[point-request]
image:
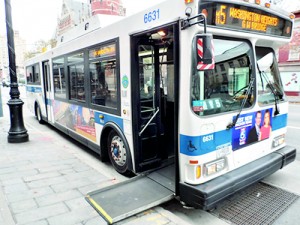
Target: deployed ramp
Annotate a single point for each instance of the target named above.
(125, 199)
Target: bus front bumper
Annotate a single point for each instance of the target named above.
(206, 196)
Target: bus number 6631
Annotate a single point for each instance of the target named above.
(208, 138)
(151, 16)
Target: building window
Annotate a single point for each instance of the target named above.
(294, 54)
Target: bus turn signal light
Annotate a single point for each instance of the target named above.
(198, 172)
(292, 16)
(193, 162)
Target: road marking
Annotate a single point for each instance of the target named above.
(298, 128)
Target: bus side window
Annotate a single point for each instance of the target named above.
(59, 78)
(104, 83)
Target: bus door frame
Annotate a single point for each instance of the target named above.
(135, 96)
(47, 90)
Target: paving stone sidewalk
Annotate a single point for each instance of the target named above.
(44, 181)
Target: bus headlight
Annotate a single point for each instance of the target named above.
(214, 166)
(279, 140)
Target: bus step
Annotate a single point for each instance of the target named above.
(149, 137)
(150, 162)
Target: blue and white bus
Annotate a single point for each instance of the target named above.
(186, 94)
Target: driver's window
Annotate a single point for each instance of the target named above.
(223, 88)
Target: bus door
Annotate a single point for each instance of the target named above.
(47, 90)
(153, 97)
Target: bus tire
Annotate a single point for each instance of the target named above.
(39, 114)
(118, 153)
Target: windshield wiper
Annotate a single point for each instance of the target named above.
(271, 86)
(250, 87)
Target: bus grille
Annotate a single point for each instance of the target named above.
(258, 204)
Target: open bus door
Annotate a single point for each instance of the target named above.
(154, 74)
(154, 79)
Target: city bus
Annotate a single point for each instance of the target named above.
(188, 99)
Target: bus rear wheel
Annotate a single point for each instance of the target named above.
(118, 153)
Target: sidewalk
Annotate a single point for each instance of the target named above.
(44, 181)
(293, 99)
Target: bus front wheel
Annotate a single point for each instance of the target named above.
(39, 114)
(118, 153)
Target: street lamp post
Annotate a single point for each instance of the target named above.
(17, 132)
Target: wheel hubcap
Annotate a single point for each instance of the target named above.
(118, 151)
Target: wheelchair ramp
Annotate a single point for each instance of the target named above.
(128, 198)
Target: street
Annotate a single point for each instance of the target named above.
(288, 178)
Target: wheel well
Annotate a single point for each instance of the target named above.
(103, 145)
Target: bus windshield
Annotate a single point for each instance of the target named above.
(223, 88)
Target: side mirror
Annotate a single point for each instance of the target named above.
(265, 62)
(205, 51)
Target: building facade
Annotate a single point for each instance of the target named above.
(72, 14)
(289, 61)
(20, 50)
(108, 7)
(75, 12)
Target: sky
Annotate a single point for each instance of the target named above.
(37, 19)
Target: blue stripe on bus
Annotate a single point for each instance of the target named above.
(34, 89)
(108, 118)
(279, 121)
(203, 144)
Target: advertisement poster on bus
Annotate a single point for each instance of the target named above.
(251, 128)
(77, 118)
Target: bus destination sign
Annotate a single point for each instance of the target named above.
(245, 18)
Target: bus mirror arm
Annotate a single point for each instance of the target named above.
(185, 23)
